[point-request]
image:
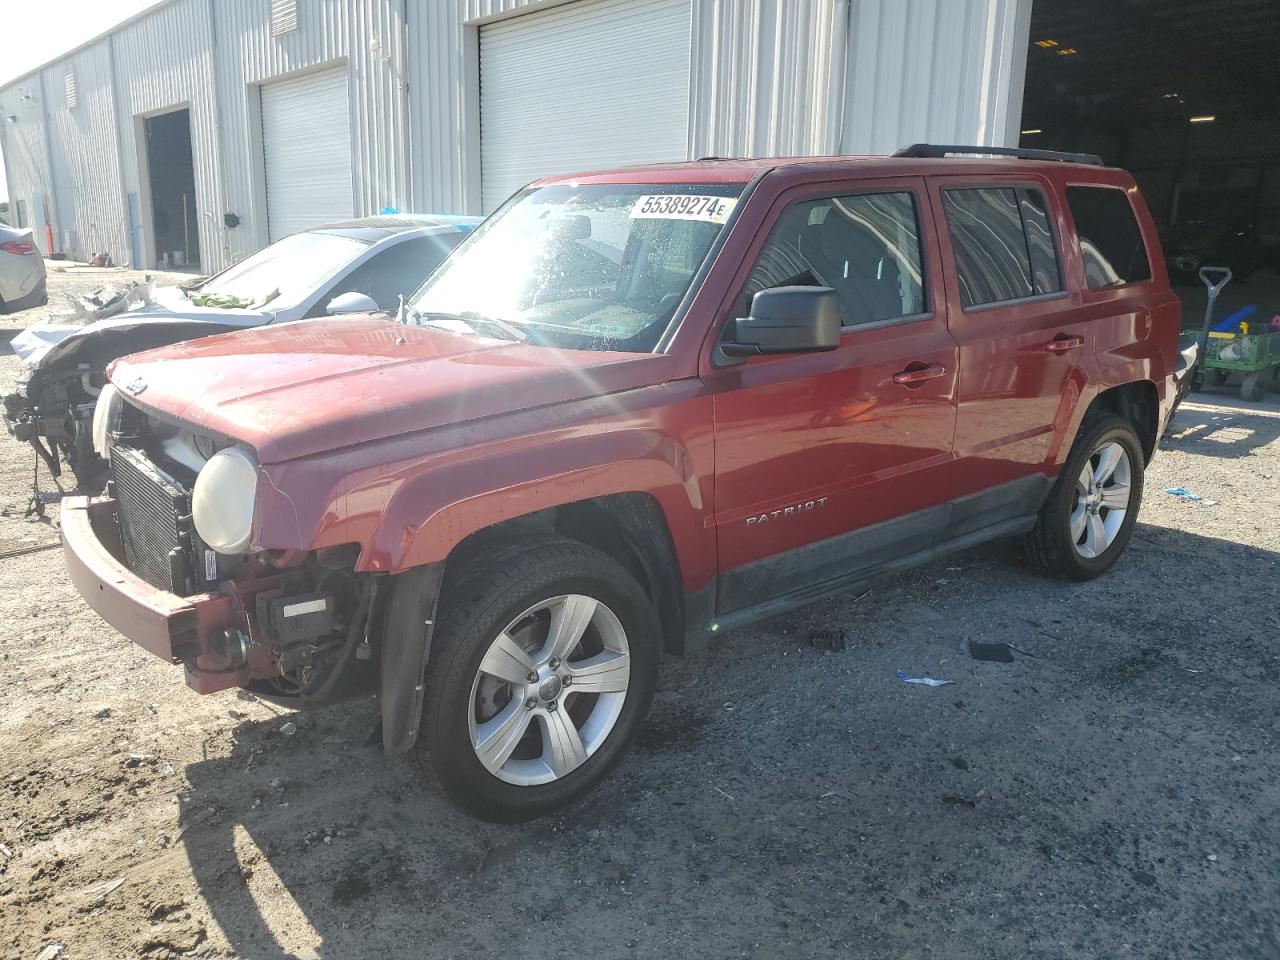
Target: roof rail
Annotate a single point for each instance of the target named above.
(938, 150)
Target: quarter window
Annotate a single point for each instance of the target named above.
(1110, 241)
(866, 247)
(1003, 244)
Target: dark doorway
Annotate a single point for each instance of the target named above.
(1184, 95)
(176, 227)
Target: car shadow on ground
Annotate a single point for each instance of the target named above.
(726, 826)
(1222, 425)
(7, 334)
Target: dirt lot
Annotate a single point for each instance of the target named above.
(1116, 796)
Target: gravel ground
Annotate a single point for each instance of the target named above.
(1114, 796)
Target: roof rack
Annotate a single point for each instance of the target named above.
(938, 150)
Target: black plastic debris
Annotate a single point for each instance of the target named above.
(995, 652)
(834, 640)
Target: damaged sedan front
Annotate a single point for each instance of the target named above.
(362, 266)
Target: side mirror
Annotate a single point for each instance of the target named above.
(351, 302)
(787, 320)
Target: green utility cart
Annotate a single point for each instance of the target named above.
(1253, 351)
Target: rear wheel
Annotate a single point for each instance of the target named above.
(1254, 386)
(543, 666)
(1087, 521)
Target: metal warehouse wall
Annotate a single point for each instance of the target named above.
(164, 61)
(767, 77)
(89, 206)
(365, 36)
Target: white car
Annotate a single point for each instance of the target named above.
(22, 277)
(361, 266)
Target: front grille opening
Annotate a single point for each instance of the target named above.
(160, 544)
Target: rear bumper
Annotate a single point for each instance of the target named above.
(37, 296)
(186, 630)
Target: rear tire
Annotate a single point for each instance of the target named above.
(510, 605)
(1254, 387)
(1088, 518)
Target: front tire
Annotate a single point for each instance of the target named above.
(1089, 516)
(543, 665)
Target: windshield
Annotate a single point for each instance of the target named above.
(593, 267)
(283, 274)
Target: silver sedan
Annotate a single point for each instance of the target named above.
(22, 277)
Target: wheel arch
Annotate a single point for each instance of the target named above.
(1137, 402)
(630, 527)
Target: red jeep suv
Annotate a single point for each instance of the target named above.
(632, 409)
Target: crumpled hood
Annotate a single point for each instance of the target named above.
(295, 389)
(43, 343)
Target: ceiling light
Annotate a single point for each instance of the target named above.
(1027, 133)
(1067, 52)
(1046, 43)
(1206, 118)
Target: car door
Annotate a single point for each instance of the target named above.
(1024, 336)
(828, 464)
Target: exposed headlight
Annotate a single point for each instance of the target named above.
(105, 412)
(222, 501)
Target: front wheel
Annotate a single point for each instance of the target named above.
(544, 662)
(1087, 521)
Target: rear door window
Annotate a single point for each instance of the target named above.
(1110, 241)
(866, 247)
(1003, 244)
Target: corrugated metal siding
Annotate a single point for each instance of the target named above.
(770, 77)
(90, 202)
(444, 130)
(164, 62)
(369, 36)
(945, 71)
(595, 84)
(767, 77)
(26, 160)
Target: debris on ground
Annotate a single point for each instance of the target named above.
(1184, 494)
(995, 652)
(289, 729)
(926, 681)
(100, 891)
(50, 952)
(834, 640)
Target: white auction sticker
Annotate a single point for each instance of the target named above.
(683, 206)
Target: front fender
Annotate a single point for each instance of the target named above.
(430, 513)
(408, 501)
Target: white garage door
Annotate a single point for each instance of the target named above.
(596, 83)
(306, 137)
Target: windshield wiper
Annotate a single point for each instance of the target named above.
(477, 322)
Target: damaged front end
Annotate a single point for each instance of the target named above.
(66, 360)
(293, 626)
(52, 411)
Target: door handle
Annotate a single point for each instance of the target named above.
(1063, 343)
(919, 374)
